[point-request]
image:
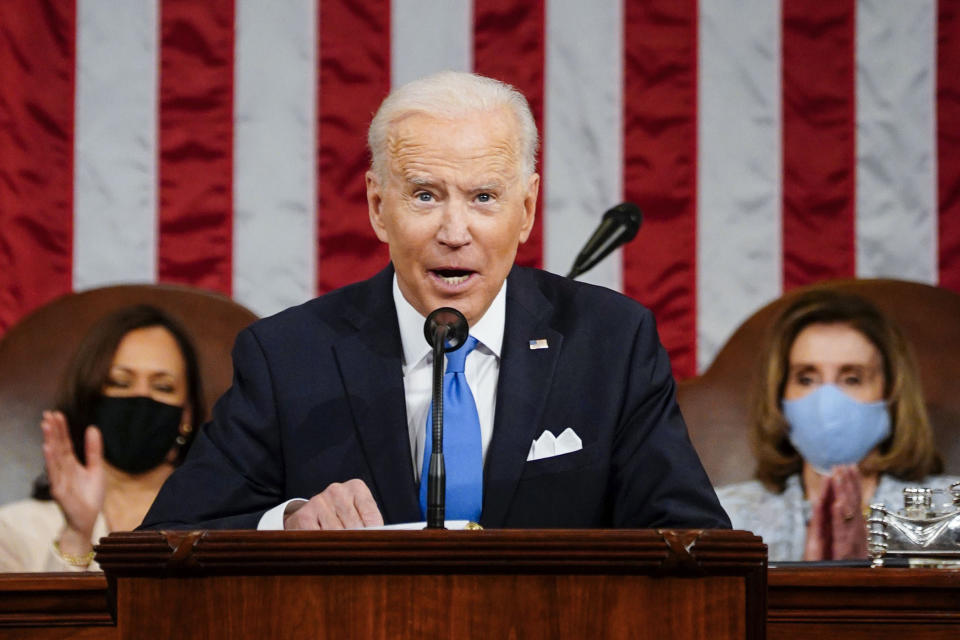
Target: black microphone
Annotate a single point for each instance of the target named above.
(618, 227)
(445, 330)
(453, 325)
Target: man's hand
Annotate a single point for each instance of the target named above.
(837, 530)
(348, 505)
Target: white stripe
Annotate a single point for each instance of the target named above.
(739, 191)
(275, 144)
(896, 223)
(583, 137)
(115, 143)
(428, 36)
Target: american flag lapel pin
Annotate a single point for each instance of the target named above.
(539, 343)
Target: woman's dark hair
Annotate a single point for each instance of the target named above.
(87, 373)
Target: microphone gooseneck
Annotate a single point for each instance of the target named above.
(618, 227)
(445, 330)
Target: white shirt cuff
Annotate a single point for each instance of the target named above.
(272, 520)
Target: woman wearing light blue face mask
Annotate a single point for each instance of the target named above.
(839, 423)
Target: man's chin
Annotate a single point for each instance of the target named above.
(463, 304)
(458, 303)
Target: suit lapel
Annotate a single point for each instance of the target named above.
(526, 376)
(370, 366)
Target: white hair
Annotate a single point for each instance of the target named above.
(452, 94)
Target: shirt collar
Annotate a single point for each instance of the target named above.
(488, 331)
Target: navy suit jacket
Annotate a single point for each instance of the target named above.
(318, 397)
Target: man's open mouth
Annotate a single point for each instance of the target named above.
(453, 276)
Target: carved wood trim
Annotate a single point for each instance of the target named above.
(863, 596)
(487, 551)
(53, 600)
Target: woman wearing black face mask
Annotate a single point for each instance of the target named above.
(127, 412)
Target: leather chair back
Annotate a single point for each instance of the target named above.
(35, 352)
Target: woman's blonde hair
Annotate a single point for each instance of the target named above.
(907, 454)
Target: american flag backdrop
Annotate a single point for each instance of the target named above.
(220, 143)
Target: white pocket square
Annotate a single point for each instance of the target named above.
(548, 445)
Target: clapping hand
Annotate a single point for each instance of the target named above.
(837, 530)
(78, 489)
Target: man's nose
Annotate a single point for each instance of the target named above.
(454, 228)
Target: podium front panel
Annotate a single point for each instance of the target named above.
(438, 584)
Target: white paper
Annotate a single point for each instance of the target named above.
(454, 525)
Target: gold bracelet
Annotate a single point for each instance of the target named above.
(82, 560)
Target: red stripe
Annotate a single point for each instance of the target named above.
(508, 46)
(819, 112)
(37, 61)
(196, 143)
(948, 142)
(660, 170)
(354, 79)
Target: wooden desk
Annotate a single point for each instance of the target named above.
(826, 603)
(821, 604)
(36, 606)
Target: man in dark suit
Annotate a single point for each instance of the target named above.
(574, 397)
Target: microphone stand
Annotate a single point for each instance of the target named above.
(445, 330)
(437, 475)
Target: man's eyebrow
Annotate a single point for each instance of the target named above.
(421, 181)
(489, 186)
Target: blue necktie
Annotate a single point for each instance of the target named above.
(462, 453)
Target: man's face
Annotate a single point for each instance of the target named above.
(453, 206)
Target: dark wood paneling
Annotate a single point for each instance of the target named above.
(435, 606)
(535, 600)
(412, 584)
(861, 603)
(54, 605)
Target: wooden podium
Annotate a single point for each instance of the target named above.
(437, 584)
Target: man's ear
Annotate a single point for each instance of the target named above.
(530, 206)
(375, 205)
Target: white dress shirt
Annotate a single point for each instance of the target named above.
(482, 370)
